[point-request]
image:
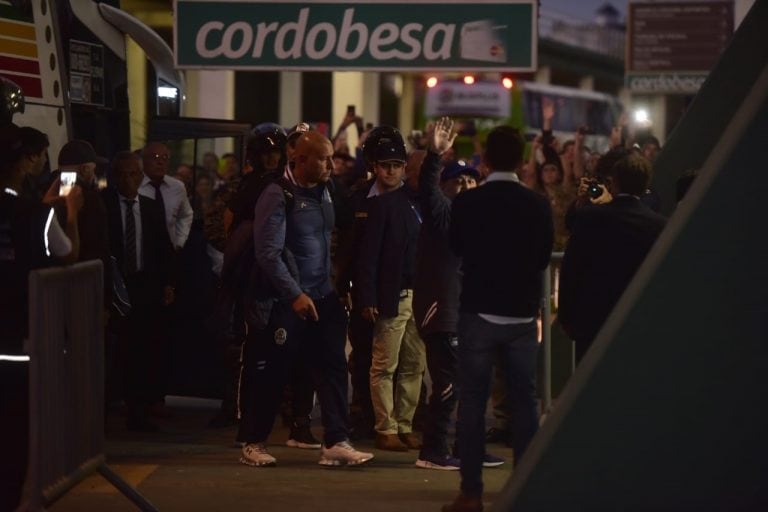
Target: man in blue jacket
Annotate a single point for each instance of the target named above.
(292, 233)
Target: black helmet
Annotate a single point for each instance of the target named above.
(383, 135)
(266, 137)
(11, 100)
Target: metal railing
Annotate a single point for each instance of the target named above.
(66, 377)
(546, 332)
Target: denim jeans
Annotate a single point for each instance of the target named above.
(479, 343)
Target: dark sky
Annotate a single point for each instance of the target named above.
(582, 9)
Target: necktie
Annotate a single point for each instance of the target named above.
(159, 198)
(130, 263)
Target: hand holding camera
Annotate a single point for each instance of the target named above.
(594, 190)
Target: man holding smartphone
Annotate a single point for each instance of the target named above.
(78, 158)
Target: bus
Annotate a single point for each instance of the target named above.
(482, 104)
(69, 59)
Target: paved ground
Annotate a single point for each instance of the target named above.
(188, 467)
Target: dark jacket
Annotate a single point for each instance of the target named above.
(607, 245)
(158, 257)
(503, 231)
(350, 237)
(437, 283)
(93, 232)
(22, 249)
(388, 251)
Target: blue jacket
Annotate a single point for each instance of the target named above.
(305, 231)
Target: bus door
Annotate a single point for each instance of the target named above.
(197, 365)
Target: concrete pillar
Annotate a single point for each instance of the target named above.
(137, 93)
(587, 83)
(347, 90)
(407, 99)
(543, 75)
(290, 98)
(211, 94)
(371, 98)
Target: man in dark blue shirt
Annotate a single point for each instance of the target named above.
(307, 320)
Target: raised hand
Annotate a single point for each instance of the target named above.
(442, 136)
(547, 109)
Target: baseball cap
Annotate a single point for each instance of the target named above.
(388, 150)
(456, 169)
(76, 152)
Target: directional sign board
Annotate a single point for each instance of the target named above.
(364, 35)
(672, 46)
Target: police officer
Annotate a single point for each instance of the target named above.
(30, 236)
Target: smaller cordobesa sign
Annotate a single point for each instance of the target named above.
(365, 35)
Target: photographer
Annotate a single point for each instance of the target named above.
(609, 240)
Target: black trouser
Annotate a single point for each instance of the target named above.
(270, 355)
(442, 362)
(141, 345)
(14, 443)
(361, 338)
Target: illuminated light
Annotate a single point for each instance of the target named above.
(469, 80)
(45, 233)
(641, 116)
(167, 92)
(431, 81)
(13, 358)
(507, 82)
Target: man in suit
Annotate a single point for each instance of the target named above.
(140, 243)
(386, 272)
(503, 233)
(608, 243)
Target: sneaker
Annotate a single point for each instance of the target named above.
(441, 462)
(492, 461)
(255, 454)
(343, 454)
(301, 437)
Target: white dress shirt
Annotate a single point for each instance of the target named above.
(136, 212)
(178, 211)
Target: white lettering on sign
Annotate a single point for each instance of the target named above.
(293, 41)
(666, 82)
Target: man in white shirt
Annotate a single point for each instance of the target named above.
(169, 192)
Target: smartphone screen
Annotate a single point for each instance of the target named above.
(68, 180)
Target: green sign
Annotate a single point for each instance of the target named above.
(365, 35)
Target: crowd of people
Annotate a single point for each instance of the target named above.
(420, 260)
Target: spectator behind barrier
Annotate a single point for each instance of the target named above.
(608, 243)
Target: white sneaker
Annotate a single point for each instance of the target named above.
(255, 454)
(343, 454)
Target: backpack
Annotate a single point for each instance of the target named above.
(242, 280)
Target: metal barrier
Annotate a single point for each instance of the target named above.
(546, 332)
(66, 374)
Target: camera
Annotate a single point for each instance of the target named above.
(594, 188)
